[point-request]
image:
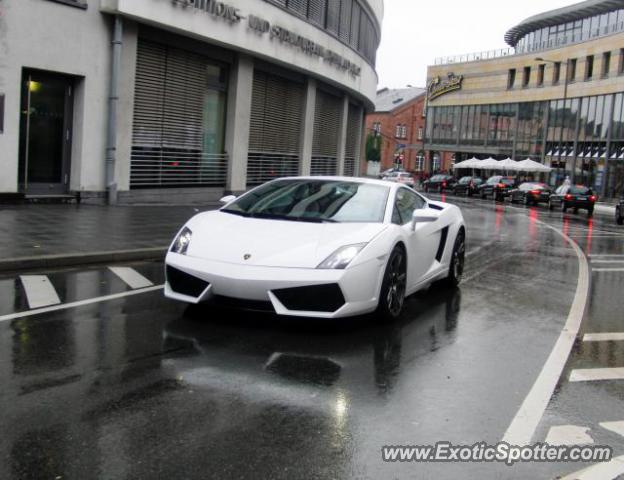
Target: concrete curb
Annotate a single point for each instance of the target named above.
(72, 259)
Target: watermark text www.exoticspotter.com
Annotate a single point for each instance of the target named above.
(501, 452)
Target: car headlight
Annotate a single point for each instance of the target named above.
(182, 241)
(341, 258)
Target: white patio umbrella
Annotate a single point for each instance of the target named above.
(529, 165)
(489, 164)
(509, 165)
(464, 164)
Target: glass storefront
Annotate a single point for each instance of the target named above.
(582, 138)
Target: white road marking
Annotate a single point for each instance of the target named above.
(131, 277)
(617, 427)
(606, 255)
(604, 337)
(595, 374)
(39, 291)
(524, 424)
(65, 306)
(568, 435)
(601, 471)
(607, 269)
(610, 262)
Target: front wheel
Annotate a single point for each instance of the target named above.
(393, 286)
(458, 258)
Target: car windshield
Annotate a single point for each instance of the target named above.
(465, 180)
(580, 190)
(507, 181)
(492, 180)
(317, 201)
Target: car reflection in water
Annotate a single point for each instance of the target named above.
(263, 357)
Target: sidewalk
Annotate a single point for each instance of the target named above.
(42, 236)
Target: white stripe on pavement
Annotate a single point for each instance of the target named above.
(607, 255)
(608, 261)
(131, 277)
(524, 424)
(607, 269)
(601, 471)
(616, 427)
(80, 303)
(568, 435)
(39, 291)
(596, 374)
(604, 337)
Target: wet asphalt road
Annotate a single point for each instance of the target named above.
(142, 387)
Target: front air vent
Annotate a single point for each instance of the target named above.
(315, 298)
(185, 284)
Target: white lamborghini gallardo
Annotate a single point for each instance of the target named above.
(318, 247)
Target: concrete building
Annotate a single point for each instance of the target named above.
(555, 96)
(178, 100)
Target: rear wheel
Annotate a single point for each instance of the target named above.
(458, 258)
(393, 286)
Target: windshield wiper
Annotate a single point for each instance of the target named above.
(289, 218)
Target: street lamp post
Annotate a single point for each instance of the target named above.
(565, 98)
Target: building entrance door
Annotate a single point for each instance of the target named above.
(45, 133)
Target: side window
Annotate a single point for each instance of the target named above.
(405, 204)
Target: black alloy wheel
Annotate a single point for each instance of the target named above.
(393, 286)
(458, 260)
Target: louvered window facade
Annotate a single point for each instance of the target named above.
(354, 132)
(275, 128)
(327, 121)
(344, 19)
(179, 119)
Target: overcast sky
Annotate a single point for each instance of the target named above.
(415, 32)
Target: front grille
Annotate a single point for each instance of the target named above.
(255, 305)
(315, 298)
(185, 284)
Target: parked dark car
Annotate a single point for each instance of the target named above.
(531, 193)
(573, 196)
(619, 211)
(497, 186)
(439, 183)
(467, 186)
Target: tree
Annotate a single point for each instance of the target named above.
(373, 148)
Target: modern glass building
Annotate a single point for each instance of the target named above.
(557, 96)
(177, 100)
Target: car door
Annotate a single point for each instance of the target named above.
(423, 242)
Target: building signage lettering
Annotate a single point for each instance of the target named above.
(262, 27)
(437, 87)
(214, 8)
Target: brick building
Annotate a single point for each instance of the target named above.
(399, 122)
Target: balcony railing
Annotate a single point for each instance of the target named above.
(556, 42)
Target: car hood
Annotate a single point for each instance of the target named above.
(274, 243)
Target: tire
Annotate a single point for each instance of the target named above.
(458, 258)
(563, 207)
(590, 212)
(527, 202)
(619, 219)
(393, 286)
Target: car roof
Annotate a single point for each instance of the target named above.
(371, 181)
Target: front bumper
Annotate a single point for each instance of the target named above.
(338, 293)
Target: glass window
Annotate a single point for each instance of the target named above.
(571, 69)
(606, 63)
(314, 201)
(540, 74)
(526, 76)
(556, 72)
(589, 67)
(406, 202)
(511, 79)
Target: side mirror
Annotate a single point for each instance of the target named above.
(427, 215)
(227, 199)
